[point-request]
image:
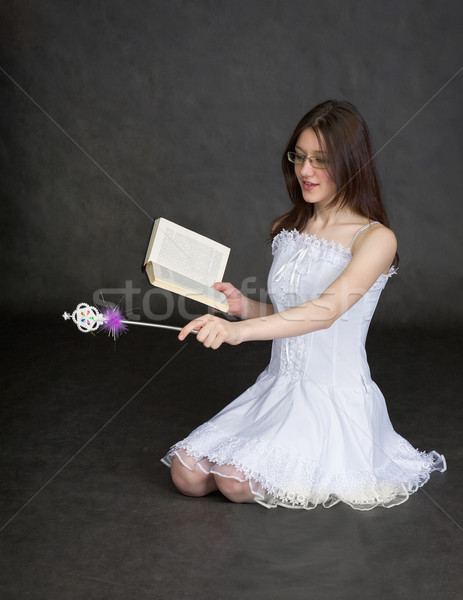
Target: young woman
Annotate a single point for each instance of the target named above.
(314, 428)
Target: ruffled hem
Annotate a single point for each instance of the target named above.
(308, 485)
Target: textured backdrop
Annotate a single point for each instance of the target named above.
(115, 113)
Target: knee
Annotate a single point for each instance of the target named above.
(234, 490)
(190, 483)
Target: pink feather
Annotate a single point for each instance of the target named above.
(113, 322)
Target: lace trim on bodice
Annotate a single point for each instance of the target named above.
(327, 250)
(320, 249)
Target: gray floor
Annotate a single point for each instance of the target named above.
(90, 512)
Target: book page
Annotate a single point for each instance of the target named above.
(190, 286)
(188, 253)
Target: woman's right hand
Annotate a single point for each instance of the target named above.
(237, 302)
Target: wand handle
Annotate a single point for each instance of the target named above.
(155, 325)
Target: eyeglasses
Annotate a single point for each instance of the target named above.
(316, 161)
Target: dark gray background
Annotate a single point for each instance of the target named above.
(181, 109)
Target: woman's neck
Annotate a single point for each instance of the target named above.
(327, 217)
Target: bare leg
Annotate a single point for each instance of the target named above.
(191, 483)
(236, 491)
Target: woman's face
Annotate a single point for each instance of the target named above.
(316, 184)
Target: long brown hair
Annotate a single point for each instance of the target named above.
(344, 136)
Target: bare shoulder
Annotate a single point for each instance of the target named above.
(375, 248)
(377, 236)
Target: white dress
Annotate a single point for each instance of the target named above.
(314, 428)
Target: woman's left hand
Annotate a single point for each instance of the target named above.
(213, 331)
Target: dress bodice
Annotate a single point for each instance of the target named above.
(303, 267)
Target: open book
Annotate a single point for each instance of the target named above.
(187, 263)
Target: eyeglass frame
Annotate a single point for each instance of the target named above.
(309, 158)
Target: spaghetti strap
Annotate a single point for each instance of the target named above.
(360, 231)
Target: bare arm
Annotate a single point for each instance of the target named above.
(239, 305)
(374, 252)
